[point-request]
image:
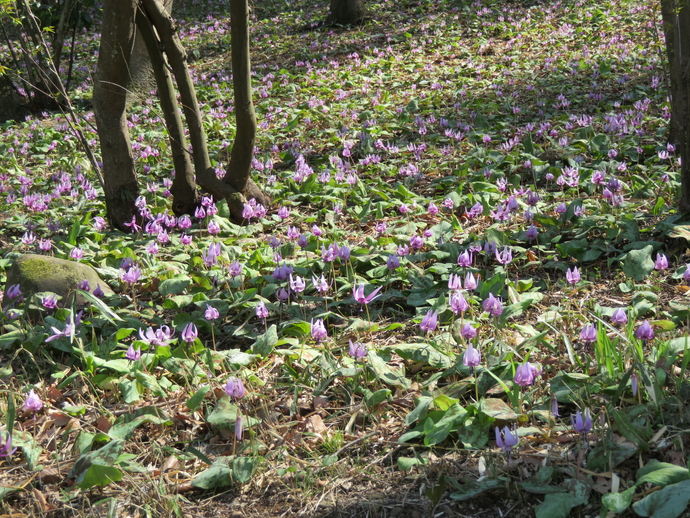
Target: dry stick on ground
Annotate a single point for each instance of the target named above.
(183, 188)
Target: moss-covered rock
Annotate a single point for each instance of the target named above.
(40, 273)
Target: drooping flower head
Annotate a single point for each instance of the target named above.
(619, 317)
(661, 262)
(189, 333)
(234, 388)
(572, 276)
(429, 322)
(506, 439)
(525, 373)
(357, 350)
(493, 306)
(32, 403)
(471, 357)
(588, 334)
(645, 331)
(318, 330)
(582, 424)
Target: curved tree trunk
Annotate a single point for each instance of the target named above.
(142, 72)
(347, 12)
(185, 196)
(676, 19)
(239, 168)
(109, 100)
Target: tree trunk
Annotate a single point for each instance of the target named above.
(239, 168)
(347, 12)
(177, 57)
(676, 19)
(185, 197)
(109, 100)
(142, 74)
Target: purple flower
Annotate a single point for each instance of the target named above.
(525, 373)
(454, 282)
(554, 406)
(282, 295)
(357, 350)
(358, 294)
(532, 233)
(429, 322)
(493, 306)
(320, 284)
(403, 250)
(32, 403)
(297, 284)
(67, 332)
(588, 334)
(561, 208)
(213, 228)
(661, 262)
(344, 253)
(261, 310)
(458, 304)
(6, 449)
(159, 337)
(506, 439)
(211, 313)
(572, 276)
(392, 263)
(235, 269)
(133, 354)
(14, 292)
(619, 317)
(582, 425)
(234, 388)
(283, 212)
(468, 332)
(49, 301)
(504, 257)
(416, 242)
(316, 231)
(471, 357)
(470, 282)
(686, 274)
(84, 285)
(465, 259)
(130, 276)
(98, 223)
(318, 330)
(645, 331)
(433, 209)
(189, 333)
(76, 253)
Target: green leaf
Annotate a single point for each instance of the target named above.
(194, 401)
(266, 342)
(150, 383)
(557, 505)
(218, 474)
(98, 475)
(618, 502)
(104, 310)
(638, 263)
(175, 286)
(424, 353)
(105, 456)
(376, 398)
(30, 448)
(407, 463)
(125, 425)
(668, 502)
(243, 468)
(451, 418)
(472, 489)
(130, 391)
(661, 473)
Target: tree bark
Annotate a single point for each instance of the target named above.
(183, 189)
(142, 74)
(676, 20)
(238, 170)
(177, 57)
(109, 100)
(347, 12)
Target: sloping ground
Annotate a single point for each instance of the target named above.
(529, 135)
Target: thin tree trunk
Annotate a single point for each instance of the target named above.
(185, 197)
(177, 57)
(676, 19)
(60, 32)
(239, 168)
(109, 99)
